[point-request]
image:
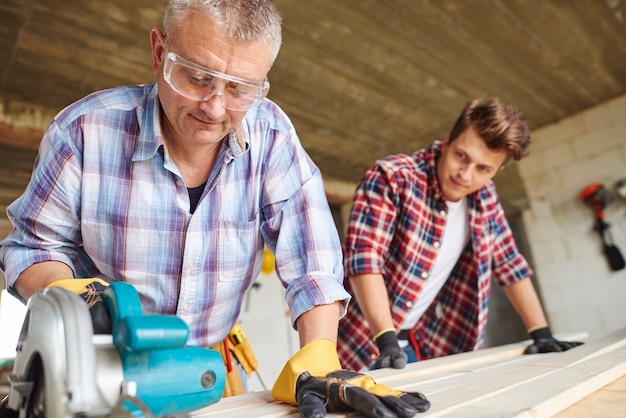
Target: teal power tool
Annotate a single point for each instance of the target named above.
(144, 369)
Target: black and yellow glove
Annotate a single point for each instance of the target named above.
(313, 380)
(544, 342)
(90, 290)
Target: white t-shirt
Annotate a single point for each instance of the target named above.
(454, 239)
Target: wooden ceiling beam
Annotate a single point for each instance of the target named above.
(28, 138)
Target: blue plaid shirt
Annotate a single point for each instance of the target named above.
(106, 200)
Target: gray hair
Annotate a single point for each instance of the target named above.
(255, 21)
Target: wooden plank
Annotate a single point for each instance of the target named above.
(494, 382)
(261, 404)
(609, 401)
(541, 388)
(435, 374)
(250, 405)
(571, 385)
(466, 387)
(542, 384)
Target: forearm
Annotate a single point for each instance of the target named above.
(524, 299)
(370, 292)
(321, 322)
(40, 275)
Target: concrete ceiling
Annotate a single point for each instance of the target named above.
(360, 78)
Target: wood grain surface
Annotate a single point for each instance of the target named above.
(588, 381)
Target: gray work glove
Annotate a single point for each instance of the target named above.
(544, 342)
(391, 355)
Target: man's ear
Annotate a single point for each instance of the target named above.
(445, 142)
(157, 41)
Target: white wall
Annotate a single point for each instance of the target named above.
(579, 291)
(12, 313)
(265, 321)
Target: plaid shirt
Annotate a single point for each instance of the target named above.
(396, 223)
(106, 199)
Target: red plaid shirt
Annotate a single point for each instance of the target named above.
(396, 222)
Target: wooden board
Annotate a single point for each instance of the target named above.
(609, 401)
(589, 380)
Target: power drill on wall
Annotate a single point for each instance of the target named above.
(595, 195)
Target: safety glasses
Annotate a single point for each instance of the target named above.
(199, 83)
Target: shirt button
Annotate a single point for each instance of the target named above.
(193, 220)
(177, 182)
(409, 304)
(191, 264)
(186, 307)
(436, 244)
(443, 213)
(439, 311)
(424, 274)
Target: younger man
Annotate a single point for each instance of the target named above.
(426, 234)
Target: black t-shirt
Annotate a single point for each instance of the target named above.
(194, 196)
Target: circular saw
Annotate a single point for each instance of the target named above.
(143, 369)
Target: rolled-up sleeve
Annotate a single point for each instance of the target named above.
(45, 218)
(300, 231)
(509, 265)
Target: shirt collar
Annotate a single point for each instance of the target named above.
(432, 155)
(150, 137)
(238, 142)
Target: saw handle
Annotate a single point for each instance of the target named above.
(150, 332)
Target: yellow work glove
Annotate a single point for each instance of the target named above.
(313, 380)
(90, 290)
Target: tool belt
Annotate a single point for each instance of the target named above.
(234, 349)
(421, 351)
(234, 385)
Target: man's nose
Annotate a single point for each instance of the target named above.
(464, 173)
(213, 103)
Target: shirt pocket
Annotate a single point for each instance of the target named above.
(238, 244)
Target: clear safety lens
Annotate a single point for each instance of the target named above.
(200, 83)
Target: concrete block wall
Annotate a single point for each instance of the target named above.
(579, 290)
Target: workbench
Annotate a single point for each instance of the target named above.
(587, 381)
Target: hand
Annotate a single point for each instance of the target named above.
(90, 290)
(345, 390)
(544, 342)
(391, 355)
(313, 380)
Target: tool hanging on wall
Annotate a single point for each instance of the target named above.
(620, 188)
(595, 195)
